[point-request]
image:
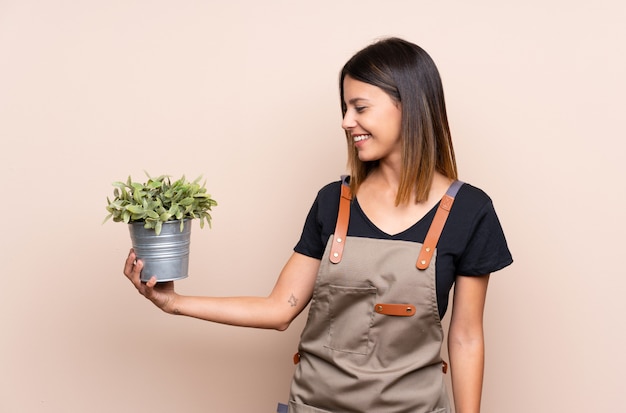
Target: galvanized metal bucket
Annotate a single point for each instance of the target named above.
(165, 256)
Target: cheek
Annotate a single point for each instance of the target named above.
(394, 120)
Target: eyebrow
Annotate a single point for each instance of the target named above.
(355, 100)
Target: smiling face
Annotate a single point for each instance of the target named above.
(373, 121)
(393, 104)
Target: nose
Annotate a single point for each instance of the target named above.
(348, 121)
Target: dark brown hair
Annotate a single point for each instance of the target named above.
(409, 76)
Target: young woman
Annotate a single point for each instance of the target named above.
(378, 256)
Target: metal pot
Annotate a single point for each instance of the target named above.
(166, 256)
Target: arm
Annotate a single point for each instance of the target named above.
(466, 342)
(290, 295)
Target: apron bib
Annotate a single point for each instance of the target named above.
(373, 336)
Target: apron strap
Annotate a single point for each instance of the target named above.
(432, 237)
(434, 232)
(341, 228)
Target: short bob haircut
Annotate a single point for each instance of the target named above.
(409, 76)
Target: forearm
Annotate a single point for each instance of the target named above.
(467, 355)
(259, 312)
(290, 295)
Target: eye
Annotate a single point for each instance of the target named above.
(359, 109)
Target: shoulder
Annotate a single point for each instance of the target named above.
(475, 235)
(326, 204)
(330, 188)
(472, 211)
(320, 221)
(471, 200)
(328, 195)
(473, 195)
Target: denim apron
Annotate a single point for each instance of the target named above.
(373, 337)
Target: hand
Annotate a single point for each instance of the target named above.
(161, 294)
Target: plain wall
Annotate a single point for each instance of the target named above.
(245, 93)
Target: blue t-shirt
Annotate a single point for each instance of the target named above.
(472, 242)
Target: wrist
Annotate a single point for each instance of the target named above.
(171, 304)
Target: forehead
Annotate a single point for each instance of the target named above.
(355, 90)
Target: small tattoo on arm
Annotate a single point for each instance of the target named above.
(293, 300)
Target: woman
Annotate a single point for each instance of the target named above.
(378, 256)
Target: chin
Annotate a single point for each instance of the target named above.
(366, 158)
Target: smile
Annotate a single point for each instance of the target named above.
(359, 138)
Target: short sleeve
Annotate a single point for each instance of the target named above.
(486, 250)
(320, 222)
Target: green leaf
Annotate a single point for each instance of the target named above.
(186, 201)
(154, 184)
(165, 216)
(159, 200)
(135, 209)
(118, 184)
(152, 214)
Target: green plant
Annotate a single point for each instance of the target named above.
(159, 200)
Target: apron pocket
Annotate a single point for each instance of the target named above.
(351, 313)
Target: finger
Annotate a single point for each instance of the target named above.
(136, 274)
(151, 282)
(133, 272)
(130, 263)
(148, 289)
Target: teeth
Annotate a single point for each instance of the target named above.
(359, 138)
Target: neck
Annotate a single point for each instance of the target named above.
(388, 173)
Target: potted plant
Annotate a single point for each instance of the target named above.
(159, 214)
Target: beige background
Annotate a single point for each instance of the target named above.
(245, 93)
